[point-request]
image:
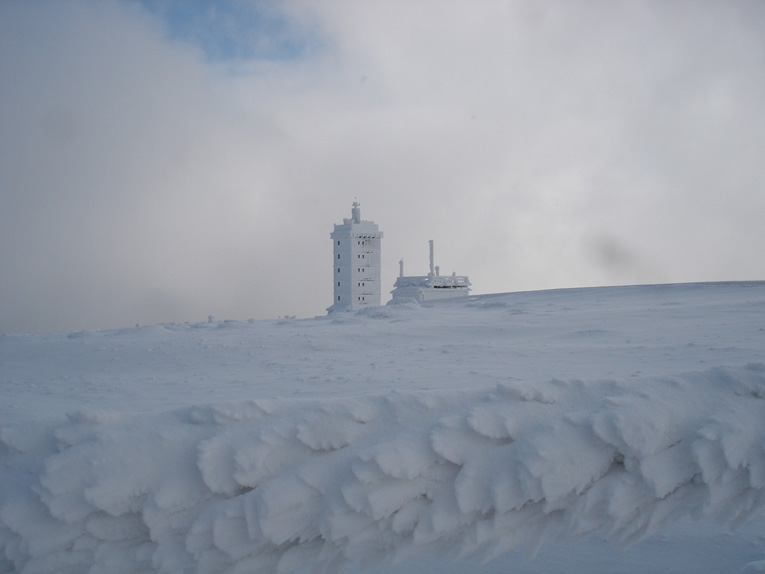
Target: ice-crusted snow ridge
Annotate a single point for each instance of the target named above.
(290, 485)
(281, 484)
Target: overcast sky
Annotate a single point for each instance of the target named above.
(165, 161)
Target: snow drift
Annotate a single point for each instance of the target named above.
(284, 485)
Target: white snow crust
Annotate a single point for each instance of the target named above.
(283, 481)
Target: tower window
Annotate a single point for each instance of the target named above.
(338, 297)
(338, 270)
(338, 242)
(338, 256)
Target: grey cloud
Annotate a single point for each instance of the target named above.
(540, 145)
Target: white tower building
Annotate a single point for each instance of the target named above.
(356, 258)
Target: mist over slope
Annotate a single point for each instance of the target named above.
(467, 427)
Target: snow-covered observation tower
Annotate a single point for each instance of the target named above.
(356, 260)
(430, 287)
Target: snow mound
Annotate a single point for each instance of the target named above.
(287, 485)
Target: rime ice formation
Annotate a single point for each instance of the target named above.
(356, 263)
(279, 485)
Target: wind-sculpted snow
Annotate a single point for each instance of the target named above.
(289, 485)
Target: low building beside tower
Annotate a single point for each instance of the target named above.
(430, 287)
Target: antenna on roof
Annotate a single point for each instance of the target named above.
(432, 269)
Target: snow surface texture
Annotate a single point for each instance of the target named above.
(288, 484)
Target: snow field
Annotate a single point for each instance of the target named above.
(407, 434)
(290, 485)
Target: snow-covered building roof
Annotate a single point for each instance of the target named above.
(430, 287)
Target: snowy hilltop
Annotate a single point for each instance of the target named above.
(560, 425)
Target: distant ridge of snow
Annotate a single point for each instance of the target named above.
(282, 485)
(630, 287)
